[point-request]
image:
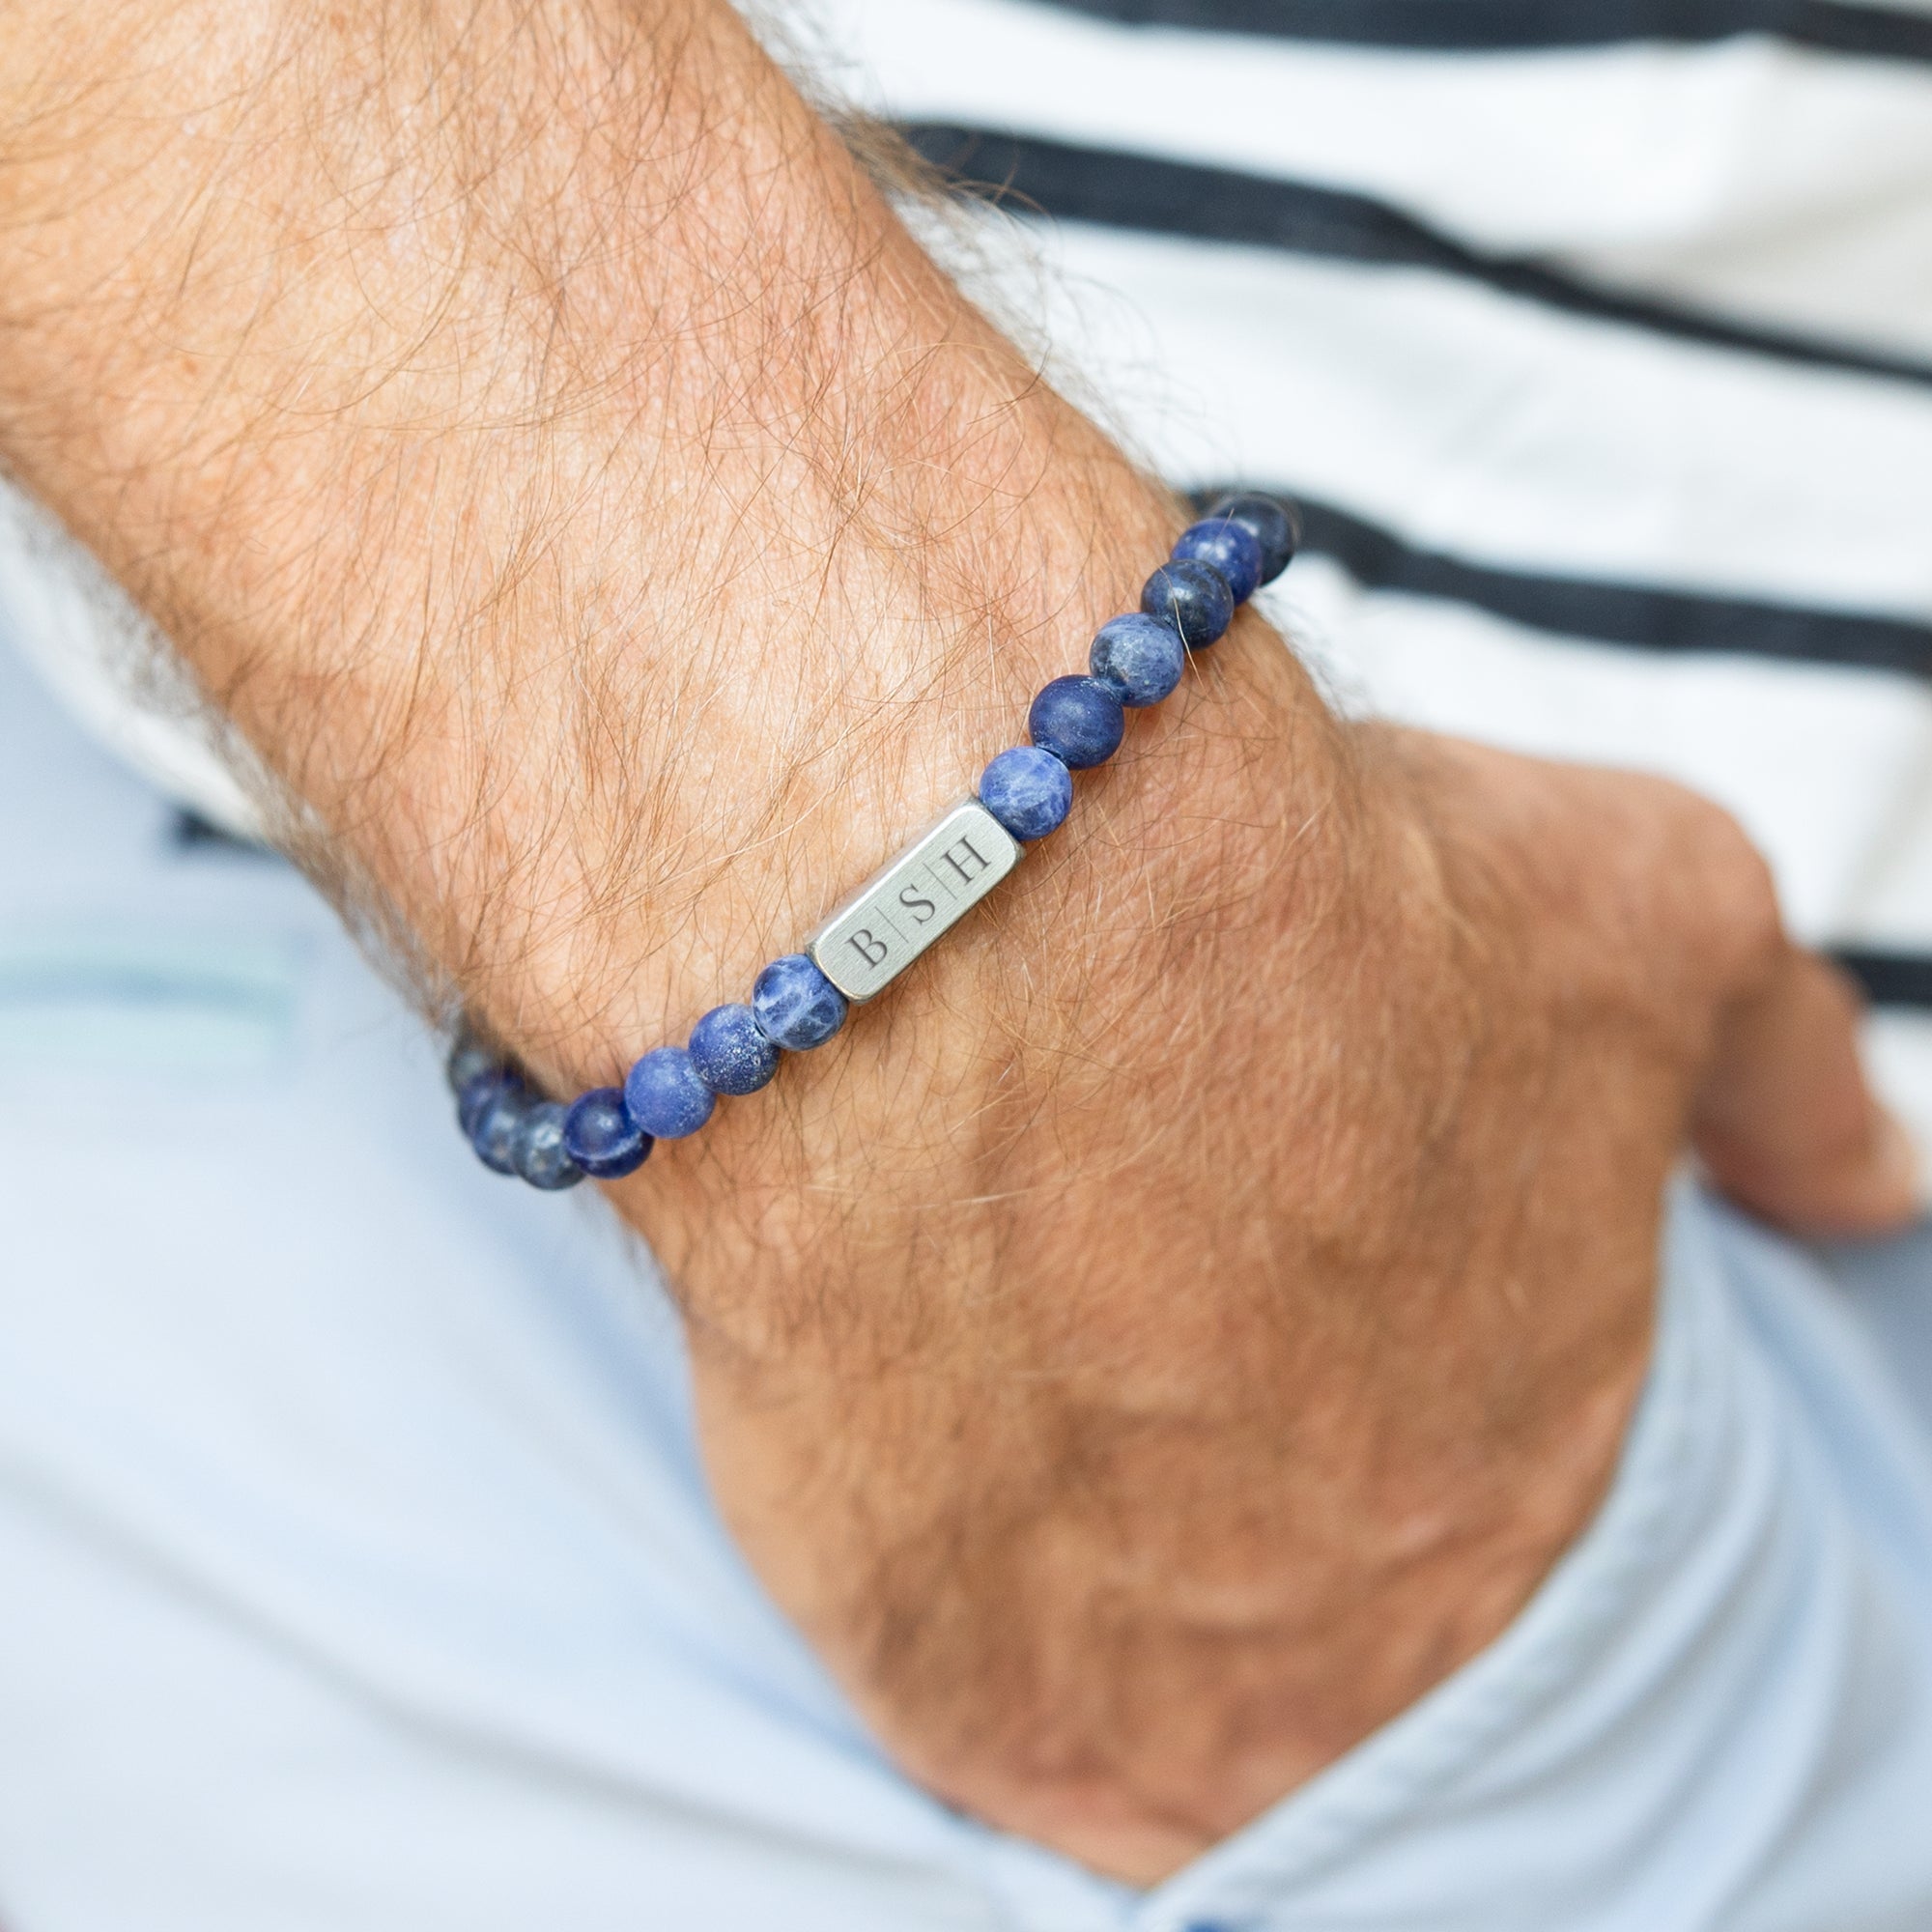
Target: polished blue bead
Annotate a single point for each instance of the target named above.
(1274, 526)
(664, 1095)
(1140, 657)
(1079, 719)
(602, 1138)
(496, 1112)
(537, 1150)
(1194, 598)
(1028, 790)
(730, 1053)
(1232, 548)
(796, 1004)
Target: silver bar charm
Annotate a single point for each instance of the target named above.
(897, 913)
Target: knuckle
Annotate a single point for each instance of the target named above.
(1722, 893)
(1686, 909)
(1734, 886)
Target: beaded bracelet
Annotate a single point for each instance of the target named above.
(801, 1001)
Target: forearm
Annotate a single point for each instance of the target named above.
(478, 363)
(546, 444)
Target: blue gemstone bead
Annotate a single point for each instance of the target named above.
(796, 1004)
(475, 1094)
(497, 1112)
(1194, 598)
(1079, 719)
(1140, 657)
(664, 1095)
(602, 1138)
(1274, 526)
(1028, 790)
(468, 1058)
(537, 1150)
(1232, 548)
(730, 1053)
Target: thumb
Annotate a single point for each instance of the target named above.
(1785, 1121)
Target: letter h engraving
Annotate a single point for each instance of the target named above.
(967, 874)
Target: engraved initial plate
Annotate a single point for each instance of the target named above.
(933, 883)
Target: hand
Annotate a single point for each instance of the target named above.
(1326, 1222)
(1623, 876)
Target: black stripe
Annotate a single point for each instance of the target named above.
(1156, 195)
(1637, 616)
(1477, 26)
(189, 832)
(1889, 978)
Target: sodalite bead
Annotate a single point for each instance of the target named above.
(1273, 525)
(475, 1094)
(1028, 790)
(1139, 656)
(1232, 548)
(1194, 598)
(469, 1059)
(796, 1004)
(730, 1053)
(537, 1150)
(664, 1095)
(495, 1113)
(602, 1138)
(1079, 719)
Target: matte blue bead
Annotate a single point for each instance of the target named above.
(537, 1150)
(1194, 598)
(1274, 526)
(731, 1055)
(475, 1094)
(468, 1058)
(796, 1004)
(1028, 790)
(1140, 657)
(1079, 719)
(664, 1095)
(1232, 548)
(602, 1138)
(498, 1111)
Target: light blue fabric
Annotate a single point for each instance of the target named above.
(357, 1571)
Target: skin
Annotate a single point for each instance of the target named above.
(1186, 1318)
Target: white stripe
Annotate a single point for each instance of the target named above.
(1898, 1056)
(1497, 429)
(1888, 898)
(1796, 186)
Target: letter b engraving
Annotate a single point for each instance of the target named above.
(874, 951)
